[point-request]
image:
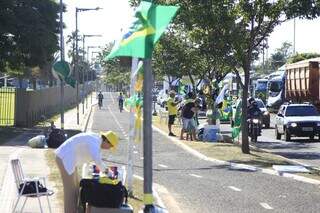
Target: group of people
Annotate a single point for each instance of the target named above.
(187, 110)
(120, 100)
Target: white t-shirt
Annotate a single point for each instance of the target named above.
(79, 149)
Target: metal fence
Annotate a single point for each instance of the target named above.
(7, 106)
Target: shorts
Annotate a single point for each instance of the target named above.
(171, 119)
(188, 124)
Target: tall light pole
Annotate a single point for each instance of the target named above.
(62, 59)
(77, 55)
(83, 79)
(294, 36)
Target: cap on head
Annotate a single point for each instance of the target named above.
(112, 138)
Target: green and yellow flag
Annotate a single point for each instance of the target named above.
(236, 129)
(150, 21)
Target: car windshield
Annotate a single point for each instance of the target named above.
(261, 86)
(275, 86)
(301, 111)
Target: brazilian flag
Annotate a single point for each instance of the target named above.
(150, 21)
(236, 129)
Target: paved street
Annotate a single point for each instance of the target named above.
(299, 149)
(188, 184)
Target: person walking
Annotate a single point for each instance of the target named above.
(100, 99)
(172, 110)
(120, 101)
(74, 152)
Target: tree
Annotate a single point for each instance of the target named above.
(281, 55)
(113, 70)
(231, 33)
(255, 20)
(28, 34)
(302, 56)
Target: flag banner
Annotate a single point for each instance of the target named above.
(150, 21)
(236, 129)
(62, 70)
(220, 97)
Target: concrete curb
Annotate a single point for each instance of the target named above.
(236, 165)
(87, 118)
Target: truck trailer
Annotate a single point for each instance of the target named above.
(302, 82)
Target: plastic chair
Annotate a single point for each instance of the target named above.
(21, 181)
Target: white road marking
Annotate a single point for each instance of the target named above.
(266, 206)
(235, 188)
(112, 97)
(162, 165)
(194, 175)
(135, 152)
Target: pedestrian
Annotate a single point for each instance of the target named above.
(188, 111)
(120, 101)
(100, 99)
(172, 110)
(74, 152)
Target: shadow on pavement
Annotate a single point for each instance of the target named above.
(300, 155)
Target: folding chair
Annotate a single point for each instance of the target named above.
(21, 183)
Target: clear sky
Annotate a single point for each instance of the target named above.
(116, 15)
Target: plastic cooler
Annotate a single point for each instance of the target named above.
(210, 133)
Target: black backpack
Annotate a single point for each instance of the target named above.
(56, 138)
(102, 195)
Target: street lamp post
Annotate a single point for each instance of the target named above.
(77, 55)
(88, 48)
(62, 59)
(86, 79)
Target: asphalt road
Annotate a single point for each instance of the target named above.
(191, 185)
(302, 150)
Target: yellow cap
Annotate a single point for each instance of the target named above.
(112, 138)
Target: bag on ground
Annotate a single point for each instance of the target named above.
(56, 138)
(37, 142)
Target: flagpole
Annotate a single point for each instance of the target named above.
(62, 59)
(134, 67)
(147, 135)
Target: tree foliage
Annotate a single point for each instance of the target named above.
(28, 34)
(113, 70)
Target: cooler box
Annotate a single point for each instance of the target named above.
(210, 133)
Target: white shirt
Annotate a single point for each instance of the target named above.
(79, 149)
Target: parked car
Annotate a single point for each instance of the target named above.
(301, 120)
(265, 113)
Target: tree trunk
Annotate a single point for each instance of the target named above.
(244, 127)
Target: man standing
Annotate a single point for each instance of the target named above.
(77, 150)
(172, 110)
(188, 110)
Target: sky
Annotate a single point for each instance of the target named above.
(117, 15)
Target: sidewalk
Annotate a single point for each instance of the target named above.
(34, 163)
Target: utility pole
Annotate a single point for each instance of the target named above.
(62, 59)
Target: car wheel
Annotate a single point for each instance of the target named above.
(278, 135)
(287, 135)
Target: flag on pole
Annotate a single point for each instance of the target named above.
(62, 70)
(236, 129)
(220, 97)
(150, 21)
